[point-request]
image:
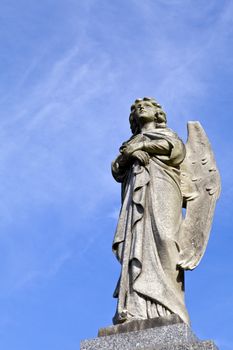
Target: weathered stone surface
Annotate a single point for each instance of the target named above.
(204, 345)
(172, 337)
(153, 242)
(138, 325)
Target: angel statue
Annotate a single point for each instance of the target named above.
(154, 241)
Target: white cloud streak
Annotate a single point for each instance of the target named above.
(56, 134)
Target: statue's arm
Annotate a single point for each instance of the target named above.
(119, 167)
(157, 147)
(123, 162)
(153, 147)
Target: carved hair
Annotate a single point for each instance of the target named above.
(160, 115)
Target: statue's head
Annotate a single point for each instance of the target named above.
(148, 109)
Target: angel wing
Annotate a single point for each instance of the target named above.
(200, 185)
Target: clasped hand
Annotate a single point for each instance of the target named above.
(135, 151)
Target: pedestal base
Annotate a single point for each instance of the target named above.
(165, 335)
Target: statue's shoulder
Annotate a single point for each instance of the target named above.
(170, 135)
(133, 139)
(173, 134)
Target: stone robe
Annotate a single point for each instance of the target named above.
(146, 241)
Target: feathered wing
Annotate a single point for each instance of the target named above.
(200, 185)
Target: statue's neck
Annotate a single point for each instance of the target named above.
(148, 126)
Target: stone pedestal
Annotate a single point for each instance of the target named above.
(156, 334)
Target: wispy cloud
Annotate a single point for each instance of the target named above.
(183, 54)
(66, 115)
(31, 277)
(46, 148)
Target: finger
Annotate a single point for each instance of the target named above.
(140, 158)
(143, 159)
(147, 158)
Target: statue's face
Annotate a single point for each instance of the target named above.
(145, 111)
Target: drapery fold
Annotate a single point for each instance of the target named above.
(146, 241)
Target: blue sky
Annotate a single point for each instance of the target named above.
(70, 70)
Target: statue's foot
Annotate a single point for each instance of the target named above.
(120, 317)
(124, 316)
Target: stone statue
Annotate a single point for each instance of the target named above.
(155, 241)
